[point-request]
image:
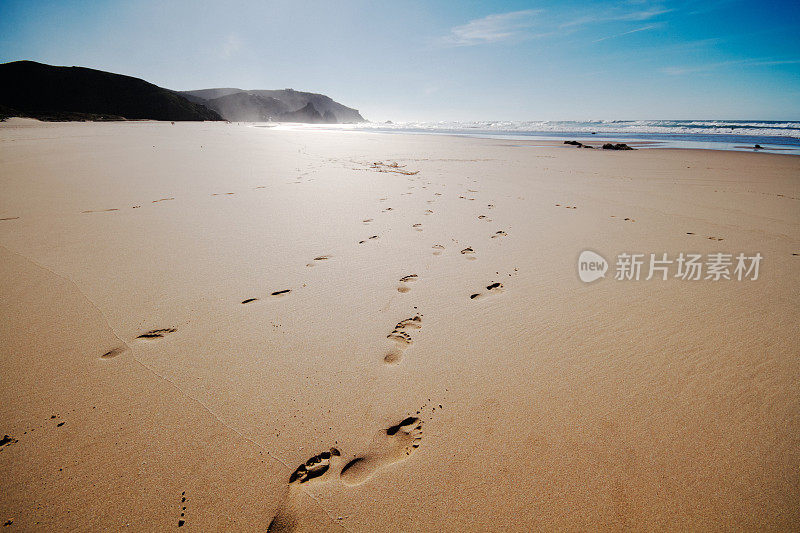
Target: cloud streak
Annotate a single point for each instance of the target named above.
(516, 25)
(619, 16)
(492, 28)
(637, 30)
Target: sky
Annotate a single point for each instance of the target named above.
(443, 60)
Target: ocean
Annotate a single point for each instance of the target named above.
(773, 136)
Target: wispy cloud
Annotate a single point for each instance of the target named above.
(615, 15)
(643, 28)
(536, 23)
(492, 28)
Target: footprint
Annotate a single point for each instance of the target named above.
(315, 468)
(249, 300)
(96, 211)
(389, 446)
(278, 293)
(182, 519)
(401, 338)
(417, 226)
(493, 287)
(163, 200)
(157, 333)
(7, 440)
(500, 233)
(438, 249)
(406, 279)
(15, 218)
(367, 220)
(318, 259)
(370, 238)
(469, 252)
(113, 353)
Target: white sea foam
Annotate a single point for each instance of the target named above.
(622, 127)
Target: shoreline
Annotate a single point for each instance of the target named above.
(547, 139)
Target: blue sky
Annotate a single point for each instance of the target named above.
(448, 60)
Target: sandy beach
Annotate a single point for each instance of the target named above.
(223, 327)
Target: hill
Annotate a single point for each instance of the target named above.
(280, 105)
(48, 92)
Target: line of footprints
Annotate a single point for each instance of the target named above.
(390, 445)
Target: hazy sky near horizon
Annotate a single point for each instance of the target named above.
(445, 60)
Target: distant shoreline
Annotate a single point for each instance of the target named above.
(724, 142)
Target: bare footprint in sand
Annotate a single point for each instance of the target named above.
(157, 333)
(114, 352)
(469, 253)
(318, 259)
(401, 338)
(389, 446)
(438, 248)
(316, 468)
(493, 287)
(404, 280)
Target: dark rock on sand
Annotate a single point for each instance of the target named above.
(618, 146)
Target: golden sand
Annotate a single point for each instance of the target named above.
(225, 327)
